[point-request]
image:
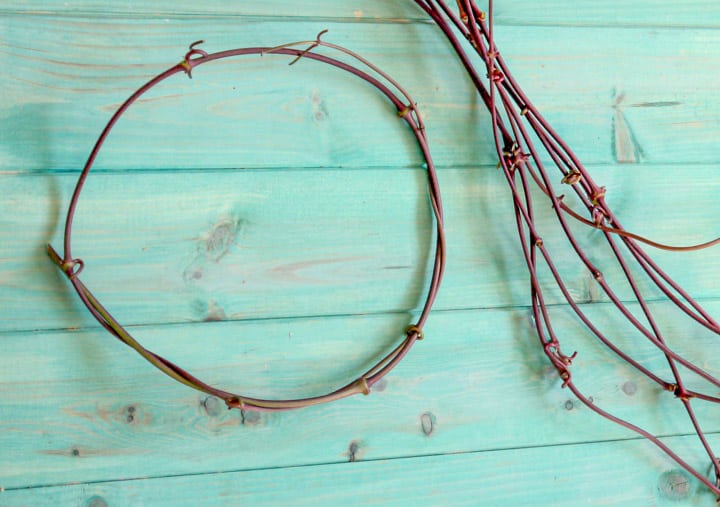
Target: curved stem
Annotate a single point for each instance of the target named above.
(406, 108)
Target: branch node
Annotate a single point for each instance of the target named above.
(310, 47)
(572, 177)
(188, 61)
(413, 329)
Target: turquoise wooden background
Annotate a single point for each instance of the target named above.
(266, 227)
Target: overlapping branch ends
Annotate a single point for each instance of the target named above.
(530, 151)
(405, 107)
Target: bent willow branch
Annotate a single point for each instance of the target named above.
(406, 109)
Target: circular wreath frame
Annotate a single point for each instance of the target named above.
(406, 109)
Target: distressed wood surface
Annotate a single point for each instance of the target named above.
(205, 245)
(660, 82)
(684, 14)
(91, 409)
(611, 474)
(267, 227)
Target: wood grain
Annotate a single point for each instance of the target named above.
(267, 227)
(80, 406)
(64, 77)
(618, 474)
(689, 13)
(167, 247)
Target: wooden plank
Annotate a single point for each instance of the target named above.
(165, 247)
(618, 474)
(689, 13)
(81, 407)
(365, 10)
(64, 76)
(258, 192)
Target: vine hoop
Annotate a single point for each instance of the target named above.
(406, 109)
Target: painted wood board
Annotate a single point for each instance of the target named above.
(476, 407)
(66, 77)
(618, 474)
(700, 13)
(82, 407)
(167, 247)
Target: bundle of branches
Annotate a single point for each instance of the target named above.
(528, 147)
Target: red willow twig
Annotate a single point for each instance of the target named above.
(406, 109)
(520, 135)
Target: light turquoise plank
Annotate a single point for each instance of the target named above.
(554, 12)
(360, 10)
(165, 247)
(618, 474)
(63, 78)
(80, 406)
(478, 383)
